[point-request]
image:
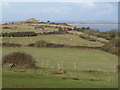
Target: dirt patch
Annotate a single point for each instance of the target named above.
(93, 79)
(64, 78)
(75, 78)
(59, 72)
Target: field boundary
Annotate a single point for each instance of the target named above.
(56, 46)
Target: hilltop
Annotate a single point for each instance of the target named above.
(31, 20)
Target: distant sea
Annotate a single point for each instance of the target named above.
(100, 27)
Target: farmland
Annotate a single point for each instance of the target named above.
(102, 64)
(60, 39)
(70, 67)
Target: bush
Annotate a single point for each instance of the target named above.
(92, 39)
(106, 35)
(88, 37)
(19, 34)
(112, 46)
(83, 28)
(11, 45)
(45, 44)
(54, 32)
(41, 43)
(61, 30)
(19, 59)
(85, 36)
(77, 29)
(69, 29)
(118, 68)
(52, 45)
(87, 27)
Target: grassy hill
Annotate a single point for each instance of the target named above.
(93, 68)
(58, 39)
(59, 67)
(71, 38)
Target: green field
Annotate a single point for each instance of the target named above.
(67, 39)
(29, 29)
(74, 61)
(59, 67)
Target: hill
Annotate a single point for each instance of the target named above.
(44, 29)
(55, 48)
(31, 20)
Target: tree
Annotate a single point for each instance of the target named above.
(48, 21)
(87, 27)
(83, 28)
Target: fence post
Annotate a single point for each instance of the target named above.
(75, 66)
(42, 63)
(58, 65)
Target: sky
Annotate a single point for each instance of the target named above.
(61, 11)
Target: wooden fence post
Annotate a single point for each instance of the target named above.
(75, 66)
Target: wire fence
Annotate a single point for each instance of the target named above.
(76, 66)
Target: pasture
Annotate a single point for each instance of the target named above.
(93, 68)
(59, 67)
(66, 39)
(96, 38)
(31, 27)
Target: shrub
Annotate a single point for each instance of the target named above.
(41, 43)
(52, 45)
(77, 29)
(61, 30)
(54, 32)
(69, 29)
(92, 39)
(83, 28)
(19, 60)
(5, 24)
(106, 35)
(11, 45)
(31, 45)
(19, 34)
(118, 68)
(112, 46)
(85, 36)
(88, 37)
(45, 44)
(87, 27)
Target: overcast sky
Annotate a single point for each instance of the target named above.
(61, 11)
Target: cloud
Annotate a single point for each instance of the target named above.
(60, 0)
(6, 5)
(64, 11)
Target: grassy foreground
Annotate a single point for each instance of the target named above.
(76, 62)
